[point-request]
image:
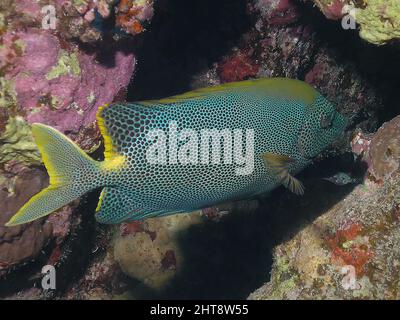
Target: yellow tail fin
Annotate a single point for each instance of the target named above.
(72, 173)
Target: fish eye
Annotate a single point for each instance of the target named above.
(326, 120)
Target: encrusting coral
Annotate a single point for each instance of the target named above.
(379, 20)
(148, 250)
(351, 251)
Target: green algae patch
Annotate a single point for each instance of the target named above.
(2, 23)
(91, 97)
(16, 141)
(286, 277)
(17, 144)
(68, 63)
(379, 21)
(79, 2)
(19, 46)
(283, 281)
(8, 96)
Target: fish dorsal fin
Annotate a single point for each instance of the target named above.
(279, 165)
(279, 87)
(112, 159)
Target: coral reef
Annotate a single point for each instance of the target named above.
(383, 155)
(379, 20)
(131, 16)
(47, 75)
(61, 87)
(89, 21)
(346, 248)
(22, 243)
(351, 250)
(237, 67)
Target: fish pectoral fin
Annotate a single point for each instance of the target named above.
(290, 182)
(279, 165)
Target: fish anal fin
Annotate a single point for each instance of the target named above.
(279, 165)
(116, 206)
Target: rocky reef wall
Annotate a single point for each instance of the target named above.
(338, 241)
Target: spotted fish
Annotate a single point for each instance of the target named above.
(289, 122)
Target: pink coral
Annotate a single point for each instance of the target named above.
(332, 10)
(277, 12)
(68, 101)
(28, 7)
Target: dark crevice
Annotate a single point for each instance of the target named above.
(184, 38)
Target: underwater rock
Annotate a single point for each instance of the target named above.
(148, 251)
(29, 294)
(379, 20)
(383, 152)
(358, 100)
(277, 12)
(352, 250)
(21, 243)
(103, 279)
(45, 79)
